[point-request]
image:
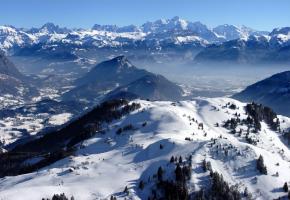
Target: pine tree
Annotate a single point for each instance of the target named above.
(172, 159)
(126, 190)
(141, 185)
(200, 195)
(186, 170)
(178, 173)
(119, 131)
(204, 165)
(246, 192)
(261, 166)
(180, 159)
(59, 197)
(285, 187)
(160, 174)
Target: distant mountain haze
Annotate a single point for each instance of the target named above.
(273, 92)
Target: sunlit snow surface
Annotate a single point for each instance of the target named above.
(60, 118)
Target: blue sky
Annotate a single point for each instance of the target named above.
(259, 14)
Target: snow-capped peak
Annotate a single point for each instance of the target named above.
(122, 61)
(282, 30)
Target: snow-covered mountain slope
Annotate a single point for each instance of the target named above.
(272, 48)
(273, 91)
(120, 74)
(280, 37)
(231, 32)
(118, 69)
(131, 150)
(11, 36)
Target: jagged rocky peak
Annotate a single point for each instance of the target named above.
(283, 30)
(178, 22)
(50, 27)
(7, 29)
(120, 62)
(110, 28)
(227, 31)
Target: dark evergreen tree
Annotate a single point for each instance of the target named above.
(204, 165)
(221, 189)
(119, 131)
(246, 192)
(285, 187)
(126, 190)
(59, 197)
(160, 174)
(259, 113)
(261, 166)
(233, 106)
(178, 174)
(186, 170)
(200, 195)
(141, 185)
(180, 160)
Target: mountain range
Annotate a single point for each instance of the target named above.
(221, 43)
(178, 30)
(227, 43)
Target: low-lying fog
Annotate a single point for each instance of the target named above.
(214, 79)
(210, 80)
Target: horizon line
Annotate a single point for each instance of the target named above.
(60, 25)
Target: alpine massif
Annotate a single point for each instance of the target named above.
(159, 111)
(163, 37)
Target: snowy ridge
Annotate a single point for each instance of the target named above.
(261, 49)
(137, 154)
